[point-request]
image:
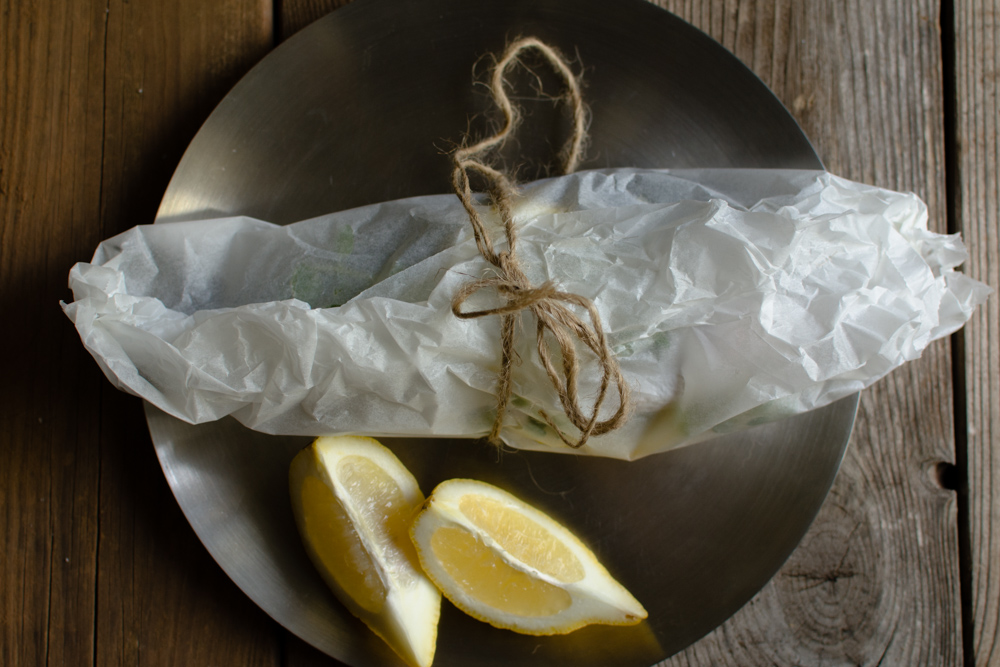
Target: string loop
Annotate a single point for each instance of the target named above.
(553, 309)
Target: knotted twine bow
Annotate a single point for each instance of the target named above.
(548, 304)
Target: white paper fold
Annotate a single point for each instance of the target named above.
(730, 297)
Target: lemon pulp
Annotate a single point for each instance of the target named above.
(337, 547)
(522, 538)
(484, 575)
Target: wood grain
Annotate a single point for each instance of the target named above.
(875, 581)
(98, 567)
(161, 600)
(99, 99)
(297, 14)
(977, 214)
(50, 147)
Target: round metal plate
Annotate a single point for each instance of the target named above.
(360, 107)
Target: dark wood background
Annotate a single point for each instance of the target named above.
(98, 100)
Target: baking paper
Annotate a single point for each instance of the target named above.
(730, 297)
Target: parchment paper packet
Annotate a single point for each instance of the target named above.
(731, 297)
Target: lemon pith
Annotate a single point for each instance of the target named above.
(353, 502)
(379, 497)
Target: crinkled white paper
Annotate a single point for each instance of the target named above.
(729, 296)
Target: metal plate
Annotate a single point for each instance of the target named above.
(359, 108)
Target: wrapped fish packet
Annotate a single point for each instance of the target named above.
(730, 297)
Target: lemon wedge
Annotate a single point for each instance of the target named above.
(353, 502)
(508, 564)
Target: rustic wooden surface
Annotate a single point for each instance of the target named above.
(98, 101)
(975, 209)
(876, 580)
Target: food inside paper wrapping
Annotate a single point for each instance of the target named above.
(730, 297)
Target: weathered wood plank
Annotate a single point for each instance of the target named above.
(160, 599)
(977, 214)
(876, 578)
(297, 14)
(98, 102)
(51, 68)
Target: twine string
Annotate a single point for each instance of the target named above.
(550, 306)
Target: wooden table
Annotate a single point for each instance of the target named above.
(97, 103)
